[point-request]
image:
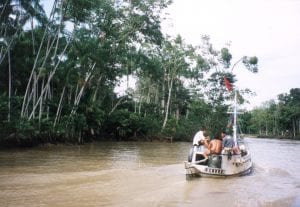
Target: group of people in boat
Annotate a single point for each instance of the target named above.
(221, 141)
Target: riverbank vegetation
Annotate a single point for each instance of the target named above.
(280, 119)
(58, 75)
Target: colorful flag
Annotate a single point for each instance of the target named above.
(227, 84)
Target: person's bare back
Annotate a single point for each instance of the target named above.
(215, 146)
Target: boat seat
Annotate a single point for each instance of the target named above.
(214, 161)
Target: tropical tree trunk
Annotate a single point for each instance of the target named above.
(9, 85)
(27, 96)
(97, 88)
(177, 114)
(294, 128)
(41, 104)
(116, 105)
(168, 105)
(163, 101)
(58, 112)
(78, 97)
(266, 128)
(47, 84)
(298, 126)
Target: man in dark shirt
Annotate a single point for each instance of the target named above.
(227, 140)
(228, 143)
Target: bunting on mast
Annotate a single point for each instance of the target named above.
(228, 84)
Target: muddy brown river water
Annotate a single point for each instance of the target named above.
(144, 174)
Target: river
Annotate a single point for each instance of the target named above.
(144, 174)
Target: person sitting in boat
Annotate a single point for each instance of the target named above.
(228, 143)
(214, 147)
(200, 140)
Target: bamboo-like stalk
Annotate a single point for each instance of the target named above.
(59, 108)
(34, 87)
(116, 105)
(163, 101)
(47, 84)
(3, 52)
(25, 100)
(168, 104)
(34, 90)
(97, 88)
(170, 78)
(41, 104)
(140, 103)
(31, 75)
(78, 97)
(32, 36)
(9, 86)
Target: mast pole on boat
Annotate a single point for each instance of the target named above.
(234, 127)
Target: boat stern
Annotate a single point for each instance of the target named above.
(190, 169)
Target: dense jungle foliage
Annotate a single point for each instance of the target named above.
(279, 118)
(58, 74)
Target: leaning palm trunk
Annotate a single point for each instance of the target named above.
(117, 104)
(41, 106)
(7, 44)
(77, 101)
(78, 97)
(27, 96)
(58, 112)
(36, 77)
(168, 105)
(47, 84)
(9, 86)
(97, 89)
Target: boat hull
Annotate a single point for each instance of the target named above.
(231, 165)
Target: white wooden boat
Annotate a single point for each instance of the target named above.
(223, 165)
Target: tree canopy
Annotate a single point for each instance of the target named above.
(58, 74)
(276, 119)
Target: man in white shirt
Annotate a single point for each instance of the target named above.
(198, 137)
(199, 140)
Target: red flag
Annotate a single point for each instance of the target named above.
(227, 84)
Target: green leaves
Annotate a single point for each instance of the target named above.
(106, 40)
(251, 63)
(226, 57)
(277, 118)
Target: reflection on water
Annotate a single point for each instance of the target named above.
(148, 174)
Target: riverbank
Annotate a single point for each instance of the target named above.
(18, 140)
(270, 136)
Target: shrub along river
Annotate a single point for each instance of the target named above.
(144, 174)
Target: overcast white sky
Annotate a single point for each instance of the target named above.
(268, 29)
